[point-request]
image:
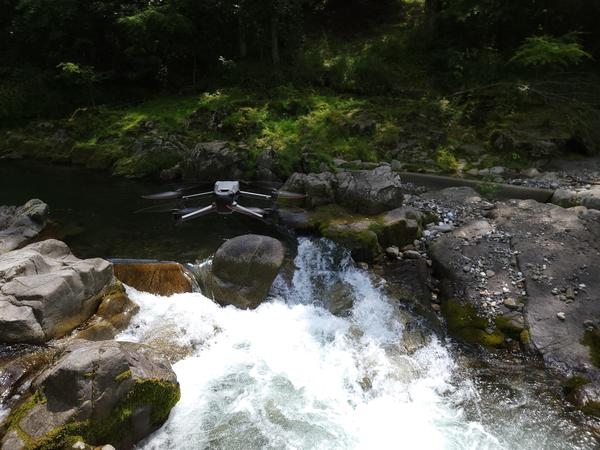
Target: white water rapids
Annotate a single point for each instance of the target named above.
(290, 375)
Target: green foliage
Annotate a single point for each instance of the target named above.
(446, 160)
(76, 73)
(548, 50)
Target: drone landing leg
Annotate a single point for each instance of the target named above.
(239, 208)
(200, 212)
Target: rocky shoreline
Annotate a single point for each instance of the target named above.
(514, 276)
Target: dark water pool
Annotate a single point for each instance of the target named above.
(94, 214)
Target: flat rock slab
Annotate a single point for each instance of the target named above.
(559, 255)
(45, 291)
(537, 259)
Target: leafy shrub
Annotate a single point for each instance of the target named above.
(446, 160)
(550, 51)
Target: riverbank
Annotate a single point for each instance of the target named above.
(270, 134)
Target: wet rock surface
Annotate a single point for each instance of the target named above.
(161, 278)
(19, 225)
(45, 291)
(522, 274)
(105, 392)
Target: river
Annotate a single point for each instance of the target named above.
(290, 374)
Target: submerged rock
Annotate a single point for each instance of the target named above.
(160, 278)
(45, 291)
(102, 392)
(19, 225)
(243, 270)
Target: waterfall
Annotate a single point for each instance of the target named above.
(292, 375)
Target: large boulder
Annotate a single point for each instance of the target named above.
(243, 270)
(363, 191)
(21, 224)
(212, 161)
(45, 291)
(102, 392)
(369, 191)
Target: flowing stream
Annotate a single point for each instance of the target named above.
(291, 375)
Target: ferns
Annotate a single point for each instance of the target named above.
(548, 50)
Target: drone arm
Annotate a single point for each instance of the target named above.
(255, 195)
(201, 194)
(200, 212)
(239, 208)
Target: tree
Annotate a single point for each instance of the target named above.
(80, 75)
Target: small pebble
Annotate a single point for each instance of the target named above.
(561, 315)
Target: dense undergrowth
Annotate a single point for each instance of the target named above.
(309, 125)
(380, 95)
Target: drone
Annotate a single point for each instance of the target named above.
(225, 196)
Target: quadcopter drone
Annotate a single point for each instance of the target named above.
(225, 195)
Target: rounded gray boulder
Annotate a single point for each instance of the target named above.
(243, 270)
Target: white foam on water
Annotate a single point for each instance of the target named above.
(292, 375)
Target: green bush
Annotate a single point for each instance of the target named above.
(548, 50)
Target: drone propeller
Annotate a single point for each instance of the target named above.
(162, 208)
(288, 195)
(177, 193)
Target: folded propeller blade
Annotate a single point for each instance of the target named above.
(168, 195)
(162, 208)
(289, 195)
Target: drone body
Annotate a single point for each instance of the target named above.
(225, 196)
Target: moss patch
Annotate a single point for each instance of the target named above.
(592, 340)
(123, 376)
(160, 394)
(465, 324)
(363, 243)
(524, 337)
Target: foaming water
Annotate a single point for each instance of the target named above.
(292, 375)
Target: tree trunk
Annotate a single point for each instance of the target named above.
(242, 36)
(432, 9)
(195, 71)
(274, 40)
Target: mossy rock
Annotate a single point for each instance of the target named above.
(465, 324)
(511, 324)
(366, 236)
(132, 392)
(357, 237)
(96, 156)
